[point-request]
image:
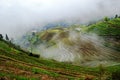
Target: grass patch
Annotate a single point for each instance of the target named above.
(14, 77)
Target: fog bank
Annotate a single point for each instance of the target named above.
(19, 16)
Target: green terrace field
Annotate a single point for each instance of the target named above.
(16, 64)
(109, 29)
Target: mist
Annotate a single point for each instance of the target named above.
(19, 16)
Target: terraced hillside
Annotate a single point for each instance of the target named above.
(16, 64)
(109, 30)
(75, 44)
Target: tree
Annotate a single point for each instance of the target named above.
(7, 38)
(116, 16)
(106, 19)
(1, 36)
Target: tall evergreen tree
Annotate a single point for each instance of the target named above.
(1, 36)
(116, 16)
(7, 38)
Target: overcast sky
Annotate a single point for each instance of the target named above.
(18, 16)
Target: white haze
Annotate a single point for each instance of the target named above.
(18, 16)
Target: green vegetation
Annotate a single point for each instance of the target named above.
(20, 60)
(7, 76)
(109, 27)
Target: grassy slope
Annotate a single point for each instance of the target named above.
(18, 65)
(110, 30)
(110, 27)
(15, 64)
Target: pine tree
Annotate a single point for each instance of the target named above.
(1, 37)
(7, 38)
(116, 16)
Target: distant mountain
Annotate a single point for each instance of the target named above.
(53, 25)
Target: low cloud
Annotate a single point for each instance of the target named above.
(18, 16)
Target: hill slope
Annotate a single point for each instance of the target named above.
(75, 44)
(16, 64)
(110, 30)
